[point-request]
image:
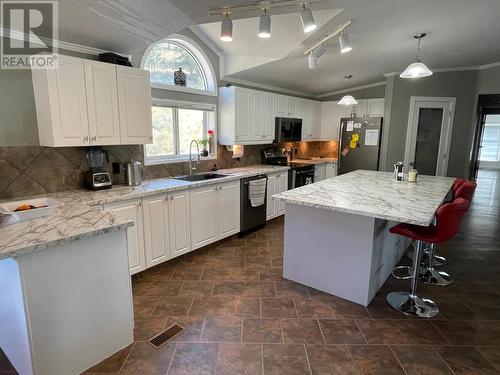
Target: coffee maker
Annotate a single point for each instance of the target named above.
(97, 178)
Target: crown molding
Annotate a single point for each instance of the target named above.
(59, 44)
(266, 87)
(454, 69)
(381, 83)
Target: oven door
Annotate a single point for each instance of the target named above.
(301, 178)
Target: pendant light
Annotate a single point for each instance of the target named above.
(307, 19)
(348, 99)
(418, 68)
(226, 31)
(265, 25)
(345, 44)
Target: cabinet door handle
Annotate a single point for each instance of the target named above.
(139, 204)
(94, 138)
(86, 139)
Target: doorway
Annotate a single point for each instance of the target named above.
(428, 137)
(489, 153)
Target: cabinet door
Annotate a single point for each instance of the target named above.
(272, 183)
(282, 186)
(306, 114)
(156, 230)
(319, 172)
(204, 216)
(294, 105)
(228, 216)
(61, 104)
(134, 101)
(243, 114)
(359, 109)
(257, 116)
(316, 115)
(135, 236)
(269, 125)
(283, 105)
(331, 170)
(102, 103)
(332, 113)
(375, 107)
(180, 223)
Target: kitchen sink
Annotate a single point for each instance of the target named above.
(201, 177)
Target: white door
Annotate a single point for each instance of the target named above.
(66, 118)
(102, 103)
(156, 230)
(428, 135)
(134, 101)
(282, 186)
(257, 116)
(331, 170)
(272, 182)
(180, 223)
(135, 236)
(243, 105)
(375, 107)
(204, 216)
(228, 209)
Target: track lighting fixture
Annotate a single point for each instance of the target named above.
(312, 58)
(345, 44)
(226, 32)
(348, 99)
(307, 19)
(418, 68)
(265, 25)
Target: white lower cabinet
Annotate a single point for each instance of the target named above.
(203, 216)
(228, 217)
(132, 210)
(331, 170)
(276, 183)
(324, 171)
(180, 222)
(156, 230)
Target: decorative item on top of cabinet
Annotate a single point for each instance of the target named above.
(180, 78)
(90, 103)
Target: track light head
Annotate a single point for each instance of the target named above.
(345, 44)
(312, 61)
(226, 31)
(307, 19)
(265, 25)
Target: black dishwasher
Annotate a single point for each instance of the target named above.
(251, 218)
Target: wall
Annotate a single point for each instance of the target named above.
(488, 80)
(461, 85)
(366, 93)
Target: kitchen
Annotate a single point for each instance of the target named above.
(206, 187)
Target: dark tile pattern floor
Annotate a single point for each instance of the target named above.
(242, 317)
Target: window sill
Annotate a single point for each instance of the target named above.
(180, 159)
(188, 90)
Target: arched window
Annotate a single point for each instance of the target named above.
(166, 56)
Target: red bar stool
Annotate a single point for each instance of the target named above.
(429, 274)
(448, 219)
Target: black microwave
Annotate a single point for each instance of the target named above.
(288, 129)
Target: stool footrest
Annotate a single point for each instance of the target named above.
(406, 277)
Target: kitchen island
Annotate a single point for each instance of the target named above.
(65, 291)
(337, 235)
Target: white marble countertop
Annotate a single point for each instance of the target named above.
(375, 194)
(81, 216)
(316, 160)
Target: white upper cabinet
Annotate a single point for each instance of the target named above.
(134, 101)
(85, 103)
(102, 103)
(375, 107)
(269, 120)
(61, 106)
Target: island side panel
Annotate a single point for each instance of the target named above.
(330, 251)
(78, 298)
(14, 339)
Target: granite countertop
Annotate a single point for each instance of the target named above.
(315, 160)
(81, 215)
(375, 194)
(71, 223)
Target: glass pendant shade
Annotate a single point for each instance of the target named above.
(347, 100)
(226, 31)
(265, 26)
(416, 70)
(307, 20)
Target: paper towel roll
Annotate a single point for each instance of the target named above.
(237, 150)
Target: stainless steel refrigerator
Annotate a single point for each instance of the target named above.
(359, 146)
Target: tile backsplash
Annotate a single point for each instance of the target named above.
(38, 170)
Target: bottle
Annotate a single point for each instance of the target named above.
(214, 168)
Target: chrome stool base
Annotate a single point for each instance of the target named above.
(435, 277)
(439, 260)
(412, 305)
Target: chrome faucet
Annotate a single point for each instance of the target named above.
(191, 168)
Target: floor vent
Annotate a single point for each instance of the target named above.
(165, 336)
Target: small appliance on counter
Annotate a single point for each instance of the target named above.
(300, 174)
(133, 173)
(97, 178)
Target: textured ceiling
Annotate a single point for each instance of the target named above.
(460, 33)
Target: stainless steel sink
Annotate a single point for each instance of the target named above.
(201, 177)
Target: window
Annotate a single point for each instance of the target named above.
(490, 150)
(165, 57)
(175, 125)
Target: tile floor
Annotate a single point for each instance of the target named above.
(242, 317)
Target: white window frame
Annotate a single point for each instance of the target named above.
(179, 158)
(199, 56)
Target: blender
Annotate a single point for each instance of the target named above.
(97, 178)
